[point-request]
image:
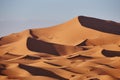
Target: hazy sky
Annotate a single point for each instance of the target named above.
(18, 15)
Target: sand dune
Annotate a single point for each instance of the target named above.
(83, 48)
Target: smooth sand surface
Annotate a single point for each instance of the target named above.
(83, 48)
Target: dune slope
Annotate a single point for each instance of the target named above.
(83, 48)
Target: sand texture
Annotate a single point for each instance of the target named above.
(83, 48)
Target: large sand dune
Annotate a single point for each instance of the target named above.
(83, 48)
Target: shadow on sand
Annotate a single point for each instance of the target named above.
(100, 25)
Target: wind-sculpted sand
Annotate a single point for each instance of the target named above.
(83, 48)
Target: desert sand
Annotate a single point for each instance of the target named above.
(83, 48)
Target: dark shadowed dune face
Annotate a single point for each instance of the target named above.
(41, 46)
(100, 25)
(109, 53)
(40, 71)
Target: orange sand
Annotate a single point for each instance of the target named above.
(83, 48)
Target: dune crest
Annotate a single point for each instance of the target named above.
(83, 48)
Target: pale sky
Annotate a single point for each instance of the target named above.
(18, 15)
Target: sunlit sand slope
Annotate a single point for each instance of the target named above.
(83, 48)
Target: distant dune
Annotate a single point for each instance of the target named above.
(83, 48)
